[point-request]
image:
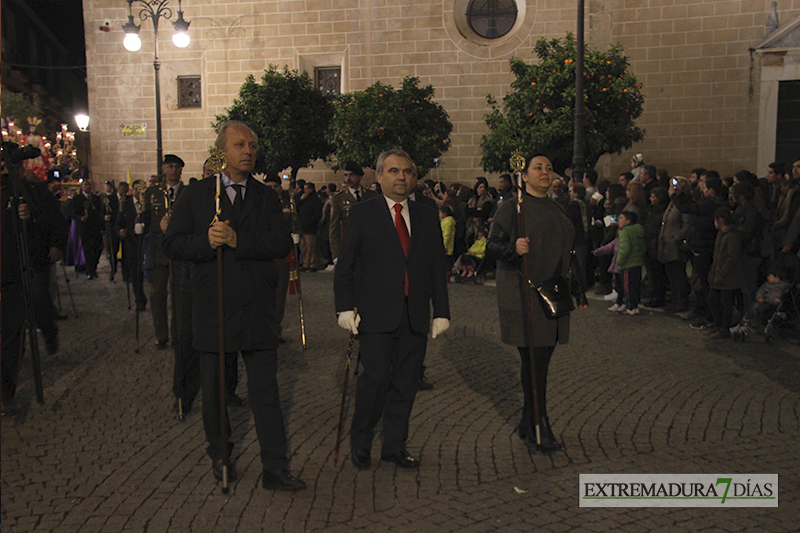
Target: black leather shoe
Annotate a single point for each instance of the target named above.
(161, 345)
(402, 459)
(235, 400)
(424, 384)
(216, 468)
(281, 480)
(361, 459)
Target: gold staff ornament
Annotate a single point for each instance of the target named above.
(217, 162)
(517, 161)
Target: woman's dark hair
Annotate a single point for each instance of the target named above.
(724, 214)
(714, 184)
(602, 185)
(630, 215)
(615, 190)
(662, 195)
(580, 190)
(745, 176)
(744, 189)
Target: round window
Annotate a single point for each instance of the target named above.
(491, 19)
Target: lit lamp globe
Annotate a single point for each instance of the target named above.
(181, 39)
(82, 121)
(132, 42)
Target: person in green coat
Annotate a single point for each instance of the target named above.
(630, 258)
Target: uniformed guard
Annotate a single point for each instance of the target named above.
(340, 205)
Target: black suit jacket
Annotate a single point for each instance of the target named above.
(371, 242)
(249, 273)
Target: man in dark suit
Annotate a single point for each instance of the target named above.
(251, 231)
(88, 211)
(125, 228)
(398, 248)
(111, 205)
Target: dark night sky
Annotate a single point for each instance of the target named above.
(64, 18)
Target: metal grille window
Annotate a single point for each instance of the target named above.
(491, 19)
(328, 79)
(189, 91)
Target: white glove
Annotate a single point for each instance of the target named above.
(296, 238)
(349, 320)
(440, 325)
(138, 228)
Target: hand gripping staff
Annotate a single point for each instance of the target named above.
(518, 164)
(223, 398)
(344, 398)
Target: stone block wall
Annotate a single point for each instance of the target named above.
(692, 56)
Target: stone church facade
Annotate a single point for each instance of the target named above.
(719, 76)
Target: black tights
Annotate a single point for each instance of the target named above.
(541, 360)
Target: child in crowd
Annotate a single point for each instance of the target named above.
(448, 234)
(630, 258)
(724, 279)
(612, 249)
(467, 263)
(769, 295)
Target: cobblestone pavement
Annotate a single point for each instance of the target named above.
(638, 394)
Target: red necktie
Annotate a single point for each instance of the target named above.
(402, 233)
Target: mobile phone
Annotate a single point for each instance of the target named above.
(612, 218)
(674, 182)
(286, 176)
(56, 174)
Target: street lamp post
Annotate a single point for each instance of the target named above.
(579, 147)
(154, 10)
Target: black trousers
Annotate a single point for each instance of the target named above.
(43, 309)
(678, 282)
(701, 266)
(133, 266)
(541, 360)
(720, 303)
(262, 389)
(186, 376)
(387, 386)
(13, 317)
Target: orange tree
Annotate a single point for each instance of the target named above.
(380, 118)
(538, 114)
(289, 115)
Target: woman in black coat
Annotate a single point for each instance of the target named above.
(550, 237)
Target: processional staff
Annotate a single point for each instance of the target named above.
(518, 164)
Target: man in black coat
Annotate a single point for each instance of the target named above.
(399, 251)
(88, 210)
(126, 229)
(309, 213)
(247, 225)
(111, 205)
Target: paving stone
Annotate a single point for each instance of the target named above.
(106, 452)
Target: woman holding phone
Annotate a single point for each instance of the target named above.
(672, 251)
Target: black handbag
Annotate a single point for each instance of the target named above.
(556, 294)
(556, 297)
